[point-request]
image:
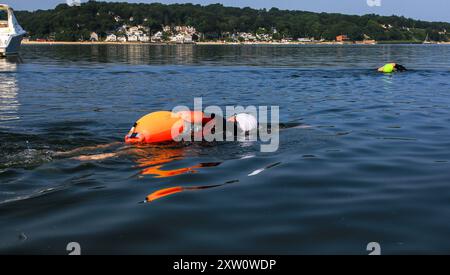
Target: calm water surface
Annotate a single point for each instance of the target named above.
(372, 166)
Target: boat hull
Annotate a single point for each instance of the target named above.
(13, 46)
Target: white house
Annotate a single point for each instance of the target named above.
(138, 33)
(185, 29)
(133, 38)
(181, 38)
(111, 38)
(247, 36)
(122, 38)
(144, 38)
(157, 37)
(264, 37)
(187, 38)
(305, 39)
(178, 38)
(286, 40)
(94, 37)
(134, 30)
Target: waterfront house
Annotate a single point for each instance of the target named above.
(264, 37)
(157, 37)
(134, 31)
(121, 38)
(187, 38)
(342, 38)
(181, 38)
(137, 33)
(178, 38)
(144, 38)
(133, 38)
(305, 40)
(94, 37)
(185, 29)
(111, 38)
(247, 36)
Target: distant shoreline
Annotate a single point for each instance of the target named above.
(217, 43)
(171, 43)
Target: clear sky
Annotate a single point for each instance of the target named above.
(432, 10)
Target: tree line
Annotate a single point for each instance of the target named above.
(65, 23)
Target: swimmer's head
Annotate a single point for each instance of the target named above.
(388, 68)
(245, 122)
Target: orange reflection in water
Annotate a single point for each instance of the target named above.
(163, 193)
(152, 162)
(174, 190)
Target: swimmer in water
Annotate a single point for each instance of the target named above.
(392, 67)
(152, 158)
(158, 127)
(164, 126)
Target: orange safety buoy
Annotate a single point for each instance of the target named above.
(192, 116)
(164, 126)
(155, 127)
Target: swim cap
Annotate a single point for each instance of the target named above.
(246, 122)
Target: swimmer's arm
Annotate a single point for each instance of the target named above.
(288, 125)
(95, 157)
(86, 148)
(119, 152)
(298, 126)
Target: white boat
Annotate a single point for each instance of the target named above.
(11, 33)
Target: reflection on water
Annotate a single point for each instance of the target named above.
(136, 54)
(9, 103)
(178, 189)
(156, 160)
(152, 162)
(387, 82)
(139, 54)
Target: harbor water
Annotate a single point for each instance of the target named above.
(369, 162)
